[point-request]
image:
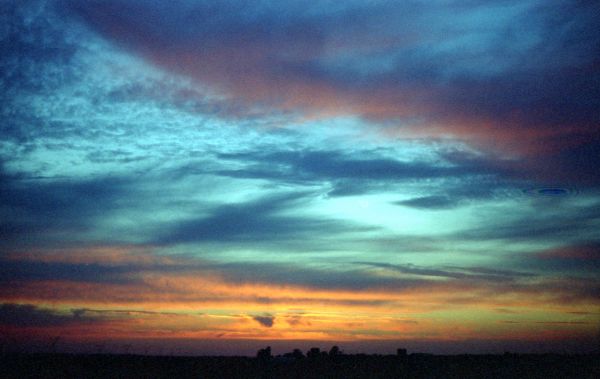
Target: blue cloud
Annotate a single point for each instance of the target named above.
(429, 202)
(526, 70)
(37, 209)
(357, 173)
(253, 221)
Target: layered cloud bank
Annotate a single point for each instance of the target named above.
(370, 173)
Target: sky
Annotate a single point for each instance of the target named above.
(196, 177)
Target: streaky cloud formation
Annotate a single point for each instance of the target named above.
(17, 315)
(236, 174)
(495, 69)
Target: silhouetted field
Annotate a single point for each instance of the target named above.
(342, 366)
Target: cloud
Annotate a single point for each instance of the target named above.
(520, 79)
(454, 272)
(372, 171)
(20, 271)
(27, 315)
(252, 221)
(303, 275)
(193, 154)
(37, 55)
(373, 286)
(584, 252)
(34, 42)
(142, 272)
(579, 258)
(548, 219)
(38, 209)
(429, 202)
(331, 164)
(266, 320)
(129, 312)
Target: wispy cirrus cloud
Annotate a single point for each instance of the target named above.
(520, 81)
(251, 221)
(175, 279)
(453, 272)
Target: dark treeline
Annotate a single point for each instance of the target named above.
(313, 363)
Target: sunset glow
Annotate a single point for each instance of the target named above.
(192, 177)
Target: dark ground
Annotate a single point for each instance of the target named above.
(545, 366)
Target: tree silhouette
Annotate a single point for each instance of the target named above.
(334, 351)
(297, 354)
(313, 353)
(264, 355)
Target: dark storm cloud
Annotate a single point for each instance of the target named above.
(26, 315)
